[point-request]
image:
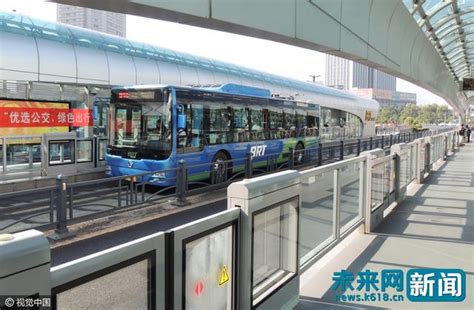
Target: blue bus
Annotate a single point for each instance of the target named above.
(153, 128)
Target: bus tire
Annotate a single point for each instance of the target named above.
(220, 168)
(299, 153)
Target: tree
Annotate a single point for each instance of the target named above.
(410, 110)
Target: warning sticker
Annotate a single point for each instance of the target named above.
(224, 276)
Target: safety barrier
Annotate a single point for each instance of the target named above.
(38, 154)
(90, 199)
(249, 256)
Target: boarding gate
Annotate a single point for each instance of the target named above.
(249, 256)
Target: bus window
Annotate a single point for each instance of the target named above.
(241, 124)
(290, 123)
(191, 138)
(219, 124)
(256, 116)
(276, 124)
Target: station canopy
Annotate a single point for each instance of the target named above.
(449, 25)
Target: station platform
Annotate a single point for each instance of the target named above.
(432, 228)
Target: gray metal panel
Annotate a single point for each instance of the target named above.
(122, 69)
(147, 71)
(206, 77)
(91, 65)
(189, 75)
(57, 61)
(220, 78)
(18, 57)
(169, 73)
(26, 249)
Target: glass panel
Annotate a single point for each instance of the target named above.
(23, 153)
(413, 163)
(316, 213)
(61, 152)
(440, 15)
(110, 291)
(377, 185)
(209, 277)
(84, 150)
(429, 4)
(350, 182)
(403, 169)
(102, 148)
(274, 247)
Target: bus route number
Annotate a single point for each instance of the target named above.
(257, 150)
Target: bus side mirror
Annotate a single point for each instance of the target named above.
(181, 121)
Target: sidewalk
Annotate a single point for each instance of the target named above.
(432, 228)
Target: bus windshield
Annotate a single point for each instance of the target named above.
(143, 125)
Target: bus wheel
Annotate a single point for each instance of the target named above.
(219, 168)
(299, 153)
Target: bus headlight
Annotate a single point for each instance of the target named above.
(158, 177)
(108, 170)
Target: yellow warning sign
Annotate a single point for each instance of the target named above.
(224, 277)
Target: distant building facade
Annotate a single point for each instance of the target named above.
(338, 72)
(386, 97)
(107, 22)
(365, 82)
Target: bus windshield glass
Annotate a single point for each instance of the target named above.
(143, 124)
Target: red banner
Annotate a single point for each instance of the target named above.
(41, 117)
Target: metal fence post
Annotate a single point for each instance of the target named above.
(61, 230)
(181, 184)
(445, 148)
(248, 166)
(291, 158)
(320, 154)
(391, 140)
(341, 150)
(371, 142)
(382, 143)
(397, 171)
(358, 147)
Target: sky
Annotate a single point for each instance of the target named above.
(267, 56)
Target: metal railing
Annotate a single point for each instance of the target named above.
(95, 198)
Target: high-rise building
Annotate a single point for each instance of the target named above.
(365, 81)
(346, 74)
(112, 23)
(338, 72)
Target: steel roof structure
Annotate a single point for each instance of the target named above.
(449, 25)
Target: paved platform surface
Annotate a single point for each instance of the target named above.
(432, 228)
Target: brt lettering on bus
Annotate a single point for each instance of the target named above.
(257, 150)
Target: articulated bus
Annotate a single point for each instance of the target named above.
(154, 127)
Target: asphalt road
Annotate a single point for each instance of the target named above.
(89, 246)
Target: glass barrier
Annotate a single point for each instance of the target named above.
(317, 210)
(22, 153)
(208, 270)
(377, 185)
(274, 242)
(382, 177)
(110, 291)
(413, 162)
(102, 149)
(404, 168)
(61, 152)
(84, 151)
(350, 195)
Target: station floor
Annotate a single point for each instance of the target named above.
(432, 228)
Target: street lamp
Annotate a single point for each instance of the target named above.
(314, 76)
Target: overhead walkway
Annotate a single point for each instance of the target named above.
(432, 228)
